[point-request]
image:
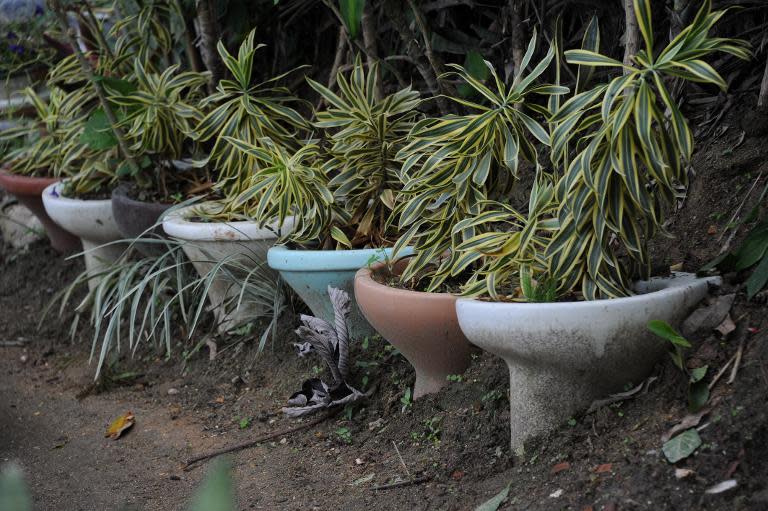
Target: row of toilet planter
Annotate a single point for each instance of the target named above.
(561, 356)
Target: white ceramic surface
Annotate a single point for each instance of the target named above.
(243, 244)
(562, 356)
(92, 222)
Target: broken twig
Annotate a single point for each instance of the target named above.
(621, 396)
(742, 336)
(407, 482)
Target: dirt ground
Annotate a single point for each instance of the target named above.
(52, 423)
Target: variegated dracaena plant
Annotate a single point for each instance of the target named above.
(454, 165)
(52, 149)
(287, 184)
(624, 148)
(365, 134)
(159, 116)
(247, 112)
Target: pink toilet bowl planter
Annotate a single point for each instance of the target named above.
(562, 356)
(28, 191)
(422, 326)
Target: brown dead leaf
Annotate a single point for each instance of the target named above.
(712, 230)
(676, 267)
(588, 508)
(560, 467)
(602, 469)
(457, 475)
(119, 425)
(220, 399)
(689, 421)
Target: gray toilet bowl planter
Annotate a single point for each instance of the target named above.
(562, 356)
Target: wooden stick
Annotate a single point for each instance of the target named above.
(12, 344)
(402, 461)
(261, 439)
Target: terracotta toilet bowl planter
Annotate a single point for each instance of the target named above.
(564, 355)
(136, 218)
(422, 326)
(92, 222)
(28, 191)
(208, 243)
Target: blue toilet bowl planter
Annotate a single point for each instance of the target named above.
(310, 272)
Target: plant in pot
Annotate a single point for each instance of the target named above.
(259, 115)
(364, 135)
(583, 240)
(39, 159)
(452, 166)
(158, 112)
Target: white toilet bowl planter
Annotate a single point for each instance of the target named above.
(92, 222)
(208, 243)
(564, 355)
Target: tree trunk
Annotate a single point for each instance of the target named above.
(395, 11)
(632, 34)
(208, 30)
(369, 42)
(682, 11)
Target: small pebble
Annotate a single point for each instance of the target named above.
(283, 441)
(172, 391)
(23, 359)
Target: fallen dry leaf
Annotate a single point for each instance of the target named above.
(457, 475)
(705, 319)
(682, 473)
(602, 469)
(560, 467)
(220, 399)
(119, 425)
(689, 421)
(712, 230)
(676, 267)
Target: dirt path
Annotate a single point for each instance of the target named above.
(59, 442)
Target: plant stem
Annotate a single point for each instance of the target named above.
(97, 29)
(86, 67)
